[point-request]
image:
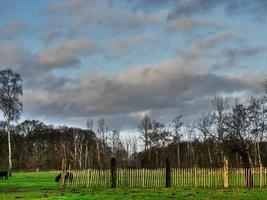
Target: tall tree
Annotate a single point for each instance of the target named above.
(204, 126)
(239, 138)
(145, 128)
(10, 103)
(257, 118)
(102, 142)
(219, 118)
(177, 137)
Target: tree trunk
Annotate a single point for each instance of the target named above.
(259, 154)
(222, 158)
(75, 151)
(247, 167)
(9, 149)
(80, 157)
(256, 161)
(178, 154)
(86, 157)
(157, 158)
(210, 157)
(193, 156)
(149, 154)
(98, 155)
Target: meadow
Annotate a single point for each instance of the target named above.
(41, 185)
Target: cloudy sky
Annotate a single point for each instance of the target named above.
(119, 59)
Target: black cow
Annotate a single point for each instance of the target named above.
(68, 176)
(3, 175)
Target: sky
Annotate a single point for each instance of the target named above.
(119, 60)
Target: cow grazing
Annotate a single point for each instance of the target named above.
(68, 177)
(3, 175)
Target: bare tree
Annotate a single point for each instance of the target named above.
(75, 142)
(155, 138)
(133, 151)
(160, 138)
(145, 128)
(191, 152)
(90, 124)
(204, 125)
(130, 146)
(79, 146)
(115, 142)
(10, 103)
(238, 138)
(219, 118)
(101, 143)
(177, 137)
(256, 114)
(90, 127)
(102, 131)
(265, 86)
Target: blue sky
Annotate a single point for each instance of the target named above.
(83, 59)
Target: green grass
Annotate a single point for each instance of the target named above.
(41, 185)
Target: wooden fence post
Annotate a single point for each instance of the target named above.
(195, 176)
(261, 178)
(63, 172)
(113, 172)
(168, 174)
(143, 177)
(225, 172)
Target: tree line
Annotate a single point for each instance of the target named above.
(237, 131)
(39, 146)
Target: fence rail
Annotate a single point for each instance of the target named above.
(156, 178)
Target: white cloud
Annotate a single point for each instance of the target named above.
(13, 29)
(80, 13)
(135, 90)
(186, 25)
(120, 47)
(13, 54)
(201, 46)
(64, 55)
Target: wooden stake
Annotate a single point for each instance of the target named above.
(226, 172)
(168, 174)
(113, 172)
(261, 169)
(63, 170)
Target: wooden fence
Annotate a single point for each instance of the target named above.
(180, 178)
(166, 177)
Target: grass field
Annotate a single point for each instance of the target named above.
(41, 185)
